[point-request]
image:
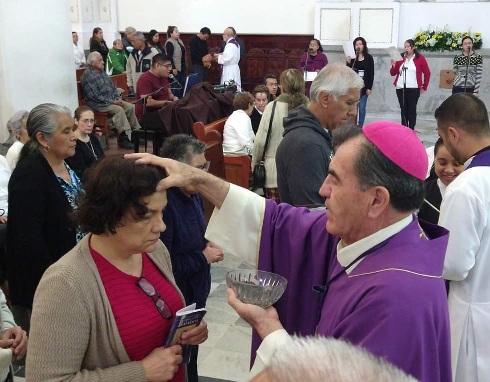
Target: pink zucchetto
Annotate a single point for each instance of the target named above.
(400, 145)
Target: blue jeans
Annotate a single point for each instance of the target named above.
(362, 110)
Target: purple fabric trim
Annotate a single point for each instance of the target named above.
(233, 41)
(481, 159)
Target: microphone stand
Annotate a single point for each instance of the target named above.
(466, 73)
(144, 99)
(404, 73)
(305, 68)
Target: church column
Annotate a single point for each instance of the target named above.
(36, 57)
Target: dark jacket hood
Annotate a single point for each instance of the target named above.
(301, 118)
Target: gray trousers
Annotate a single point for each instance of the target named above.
(123, 117)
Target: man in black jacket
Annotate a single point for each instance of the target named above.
(200, 57)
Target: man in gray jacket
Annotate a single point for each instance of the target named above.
(139, 60)
(305, 152)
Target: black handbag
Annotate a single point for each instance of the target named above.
(259, 169)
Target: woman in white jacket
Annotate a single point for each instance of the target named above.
(238, 136)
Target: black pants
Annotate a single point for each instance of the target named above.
(192, 365)
(469, 90)
(408, 105)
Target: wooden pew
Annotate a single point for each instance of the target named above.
(237, 168)
(79, 73)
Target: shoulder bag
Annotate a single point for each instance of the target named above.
(259, 169)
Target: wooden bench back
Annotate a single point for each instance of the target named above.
(79, 73)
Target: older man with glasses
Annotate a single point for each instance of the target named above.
(190, 252)
(304, 154)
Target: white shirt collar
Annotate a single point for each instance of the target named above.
(348, 253)
(468, 162)
(260, 112)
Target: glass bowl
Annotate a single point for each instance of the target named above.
(256, 287)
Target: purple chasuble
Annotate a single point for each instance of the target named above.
(393, 303)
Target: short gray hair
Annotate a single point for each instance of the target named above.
(139, 35)
(43, 118)
(129, 30)
(182, 147)
(312, 359)
(17, 121)
(336, 80)
(91, 57)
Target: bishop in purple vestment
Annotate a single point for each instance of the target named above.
(377, 271)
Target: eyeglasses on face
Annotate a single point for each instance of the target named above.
(204, 166)
(87, 121)
(160, 303)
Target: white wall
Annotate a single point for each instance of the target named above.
(247, 17)
(36, 56)
(85, 27)
(459, 17)
(289, 16)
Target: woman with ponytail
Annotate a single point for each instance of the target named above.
(293, 90)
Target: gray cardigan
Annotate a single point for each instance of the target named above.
(73, 333)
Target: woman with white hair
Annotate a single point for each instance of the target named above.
(17, 126)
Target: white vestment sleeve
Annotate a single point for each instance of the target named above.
(269, 345)
(6, 316)
(237, 225)
(463, 214)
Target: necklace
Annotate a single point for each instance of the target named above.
(89, 145)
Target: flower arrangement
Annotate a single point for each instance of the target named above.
(437, 40)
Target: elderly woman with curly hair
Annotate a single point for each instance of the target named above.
(104, 310)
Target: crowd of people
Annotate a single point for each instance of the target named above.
(101, 251)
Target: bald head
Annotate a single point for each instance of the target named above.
(227, 34)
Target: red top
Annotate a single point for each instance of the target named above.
(147, 84)
(141, 326)
(421, 67)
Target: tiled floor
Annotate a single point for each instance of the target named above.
(226, 353)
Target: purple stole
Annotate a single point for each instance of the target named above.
(481, 159)
(233, 41)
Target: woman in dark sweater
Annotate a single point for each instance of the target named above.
(363, 64)
(42, 192)
(88, 148)
(153, 41)
(184, 238)
(97, 44)
(446, 169)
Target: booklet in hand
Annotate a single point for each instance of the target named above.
(185, 319)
